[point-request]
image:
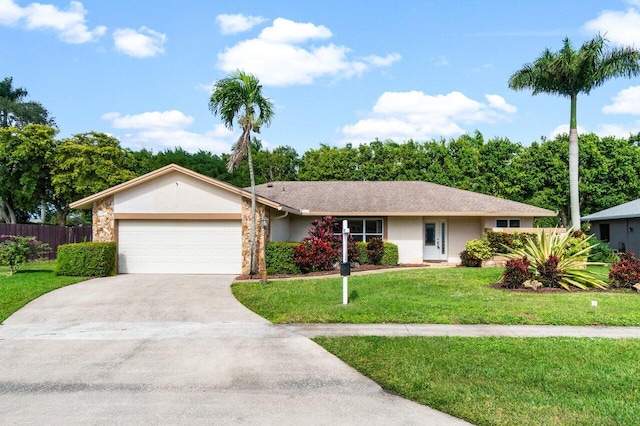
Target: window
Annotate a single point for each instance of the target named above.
(507, 223)
(604, 232)
(361, 229)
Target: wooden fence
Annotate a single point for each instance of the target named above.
(52, 235)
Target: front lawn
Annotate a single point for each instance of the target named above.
(437, 296)
(32, 281)
(503, 380)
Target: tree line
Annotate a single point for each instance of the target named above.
(36, 169)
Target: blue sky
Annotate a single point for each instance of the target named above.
(337, 71)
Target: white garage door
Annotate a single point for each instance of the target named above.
(179, 247)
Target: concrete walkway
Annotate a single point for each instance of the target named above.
(145, 349)
(470, 330)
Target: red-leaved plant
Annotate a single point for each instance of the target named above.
(516, 272)
(626, 272)
(321, 250)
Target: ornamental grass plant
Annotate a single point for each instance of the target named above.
(559, 260)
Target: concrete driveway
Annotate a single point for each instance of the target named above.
(158, 349)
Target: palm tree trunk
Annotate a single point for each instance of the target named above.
(573, 166)
(253, 206)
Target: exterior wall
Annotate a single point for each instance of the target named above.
(299, 227)
(620, 234)
(406, 233)
(461, 230)
(104, 226)
(525, 222)
(176, 193)
(261, 211)
(279, 227)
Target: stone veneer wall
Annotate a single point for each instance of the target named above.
(261, 211)
(104, 226)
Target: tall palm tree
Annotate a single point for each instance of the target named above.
(238, 97)
(569, 72)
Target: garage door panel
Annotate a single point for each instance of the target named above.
(181, 247)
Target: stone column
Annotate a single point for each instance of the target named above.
(104, 224)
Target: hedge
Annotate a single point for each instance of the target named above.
(95, 259)
(280, 258)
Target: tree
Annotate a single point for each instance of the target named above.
(239, 97)
(16, 112)
(25, 164)
(87, 163)
(568, 73)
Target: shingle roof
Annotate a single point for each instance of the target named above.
(622, 211)
(391, 198)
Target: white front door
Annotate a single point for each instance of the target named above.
(435, 239)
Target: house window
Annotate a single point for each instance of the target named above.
(361, 229)
(604, 232)
(507, 223)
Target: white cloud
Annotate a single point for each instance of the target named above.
(157, 119)
(232, 24)
(622, 28)
(70, 24)
(498, 102)
(440, 61)
(143, 43)
(159, 130)
(287, 31)
(415, 115)
(279, 58)
(626, 101)
(619, 130)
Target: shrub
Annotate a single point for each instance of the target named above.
(281, 258)
(570, 268)
(499, 242)
(363, 259)
(549, 272)
(16, 251)
(516, 272)
(322, 248)
(96, 259)
(469, 260)
(475, 252)
(390, 256)
(375, 250)
(625, 272)
(601, 252)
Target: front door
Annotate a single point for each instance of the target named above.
(435, 239)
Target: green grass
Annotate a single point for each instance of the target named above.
(506, 381)
(438, 296)
(32, 281)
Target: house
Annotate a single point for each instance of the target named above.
(619, 226)
(174, 220)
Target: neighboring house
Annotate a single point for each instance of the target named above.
(174, 220)
(619, 226)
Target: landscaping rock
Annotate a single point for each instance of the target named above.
(532, 284)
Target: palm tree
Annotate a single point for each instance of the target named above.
(568, 72)
(15, 111)
(238, 97)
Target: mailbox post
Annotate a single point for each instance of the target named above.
(345, 267)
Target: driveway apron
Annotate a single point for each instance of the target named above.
(169, 349)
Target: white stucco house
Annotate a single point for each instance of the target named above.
(174, 220)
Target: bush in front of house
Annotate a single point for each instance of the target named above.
(516, 272)
(281, 258)
(390, 256)
(321, 250)
(499, 242)
(601, 252)
(16, 250)
(625, 273)
(559, 260)
(375, 250)
(475, 252)
(95, 259)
